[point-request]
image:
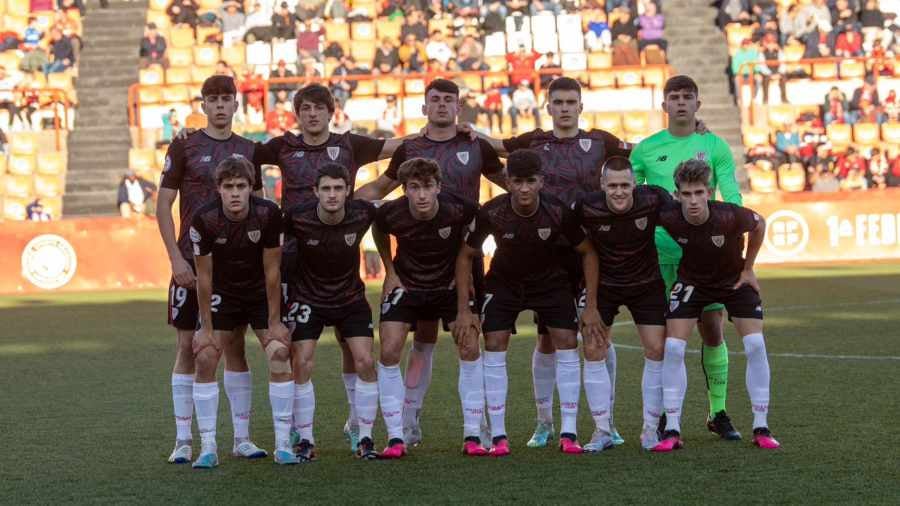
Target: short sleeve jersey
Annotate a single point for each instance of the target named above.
(571, 165)
(625, 242)
(327, 273)
(713, 251)
(426, 250)
(655, 159)
(300, 161)
(462, 160)
(237, 246)
(189, 169)
(526, 253)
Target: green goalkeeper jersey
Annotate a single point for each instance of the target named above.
(655, 159)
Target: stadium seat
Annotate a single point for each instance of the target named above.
(361, 31)
(736, 33)
(388, 86)
(599, 60)
(180, 56)
(49, 186)
(890, 133)
(825, 70)
(364, 53)
(630, 77)
(178, 75)
(17, 186)
(21, 165)
(851, 69)
(153, 75)
(210, 5)
(601, 79)
(141, 160)
(364, 88)
(51, 163)
(21, 8)
(414, 124)
(176, 93)
(655, 77)
(199, 74)
(780, 115)
(636, 122)
(60, 80)
(206, 55)
(150, 94)
(259, 53)
(762, 180)
(13, 23)
(755, 136)
(337, 31)
(234, 55)
(158, 5)
(207, 33)
(840, 134)
(792, 177)
(866, 134)
(385, 28)
(14, 208)
(22, 143)
(653, 55)
(161, 20)
(181, 36)
(367, 7)
(609, 121)
(9, 59)
(414, 86)
(473, 82)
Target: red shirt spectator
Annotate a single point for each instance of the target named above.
(851, 160)
(521, 65)
(848, 44)
(252, 88)
(279, 120)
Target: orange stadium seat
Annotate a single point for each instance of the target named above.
(206, 55)
(141, 160)
(181, 36)
(792, 177)
(152, 75)
(762, 180)
(851, 69)
(890, 133)
(362, 31)
(840, 134)
(628, 78)
(180, 56)
(17, 186)
(14, 208)
(866, 134)
(599, 60)
(178, 75)
(51, 163)
(337, 31)
(150, 94)
(636, 122)
(234, 55)
(49, 186)
(22, 143)
(755, 136)
(824, 70)
(601, 79)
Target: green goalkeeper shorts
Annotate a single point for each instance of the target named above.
(670, 274)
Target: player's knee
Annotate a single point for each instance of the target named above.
(279, 357)
(364, 363)
(594, 352)
(654, 351)
(468, 351)
(207, 359)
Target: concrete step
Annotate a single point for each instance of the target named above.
(92, 203)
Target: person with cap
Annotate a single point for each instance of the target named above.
(134, 194)
(153, 48)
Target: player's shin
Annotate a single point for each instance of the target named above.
(366, 400)
(611, 362)
(597, 390)
(418, 379)
(350, 382)
(206, 402)
(304, 410)
(758, 377)
(543, 374)
(183, 404)
(390, 392)
(471, 394)
(496, 384)
(652, 393)
(568, 382)
(281, 397)
(238, 388)
(674, 376)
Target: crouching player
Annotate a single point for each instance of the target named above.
(325, 290)
(621, 222)
(526, 273)
(237, 250)
(711, 235)
(429, 227)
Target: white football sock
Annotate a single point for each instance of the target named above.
(366, 406)
(238, 388)
(674, 377)
(758, 377)
(543, 376)
(206, 402)
(471, 394)
(183, 403)
(651, 388)
(390, 393)
(418, 379)
(350, 387)
(281, 397)
(496, 384)
(568, 382)
(304, 410)
(596, 389)
(611, 362)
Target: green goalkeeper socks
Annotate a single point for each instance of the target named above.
(715, 365)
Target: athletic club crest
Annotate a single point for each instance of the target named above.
(718, 240)
(254, 235)
(544, 233)
(585, 144)
(444, 232)
(463, 157)
(641, 223)
(195, 235)
(333, 152)
(350, 239)
(701, 155)
(673, 305)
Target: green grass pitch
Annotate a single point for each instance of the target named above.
(86, 414)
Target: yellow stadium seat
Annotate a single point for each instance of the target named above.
(199, 74)
(17, 186)
(14, 208)
(204, 33)
(152, 75)
(51, 163)
(362, 31)
(210, 5)
(180, 56)
(414, 86)
(636, 121)
(181, 36)
(206, 55)
(49, 186)
(412, 125)
(150, 94)
(178, 93)
(22, 143)
(736, 33)
(363, 53)
(780, 115)
(824, 70)
(627, 77)
(365, 88)
(601, 79)
(18, 7)
(608, 121)
(599, 60)
(14, 23)
(21, 165)
(391, 29)
(234, 55)
(388, 86)
(158, 5)
(866, 134)
(851, 69)
(755, 136)
(792, 177)
(337, 31)
(2, 165)
(53, 206)
(178, 75)
(890, 133)
(161, 20)
(840, 134)
(60, 80)
(655, 77)
(2, 7)
(141, 159)
(473, 82)
(762, 180)
(9, 59)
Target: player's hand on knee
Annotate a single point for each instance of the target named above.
(182, 272)
(592, 324)
(184, 133)
(279, 332)
(748, 277)
(391, 283)
(203, 338)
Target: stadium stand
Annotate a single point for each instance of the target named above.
(817, 86)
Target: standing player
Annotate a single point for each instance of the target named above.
(429, 227)
(462, 160)
(237, 250)
(326, 290)
(526, 273)
(187, 174)
(620, 222)
(571, 158)
(712, 270)
(654, 161)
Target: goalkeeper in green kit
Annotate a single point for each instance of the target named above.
(654, 161)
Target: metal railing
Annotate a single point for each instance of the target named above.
(56, 96)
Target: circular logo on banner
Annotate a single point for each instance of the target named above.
(787, 233)
(49, 261)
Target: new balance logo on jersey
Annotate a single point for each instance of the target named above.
(221, 240)
(718, 240)
(682, 240)
(605, 228)
(350, 239)
(254, 235)
(333, 152)
(585, 144)
(312, 242)
(463, 157)
(544, 233)
(207, 158)
(298, 154)
(641, 223)
(662, 158)
(444, 232)
(508, 235)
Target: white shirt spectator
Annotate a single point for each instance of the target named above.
(523, 99)
(438, 50)
(135, 192)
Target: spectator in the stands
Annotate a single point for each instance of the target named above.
(789, 24)
(521, 65)
(233, 22)
(865, 94)
(8, 101)
(843, 14)
(651, 28)
(855, 180)
(494, 18)
(223, 69)
(493, 105)
(62, 54)
(412, 54)
(196, 119)
(787, 142)
(258, 24)
(308, 10)
(340, 123)
(170, 125)
(35, 211)
(825, 181)
(624, 37)
(872, 20)
(279, 120)
(524, 104)
(545, 6)
(183, 12)
(387, 58)
(335, 9)
(893, 178)
(818, 11)
(835, 107)
(32, 36)
(282, 23)
(733, 11)
(437, 48)
(342, 88)
(550, 70)
(469, 52)
(135, 193)
(390, 121)
(308, 40)
(153, 48)
(891, 107)
(772, 67)
(414, 25)
(762, 11)
(598, 36)
(879, 167)
(745, 65)
(848, 43)
(281, 71)
(849, 161)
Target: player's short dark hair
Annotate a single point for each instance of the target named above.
(616, 164)
(442, 85)
(680, 83)
(420, 169)
(334, 171)
(218, 85)
(234, 167)
(692, 171)
(523, 163)
(315, 93)
(564, 84)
